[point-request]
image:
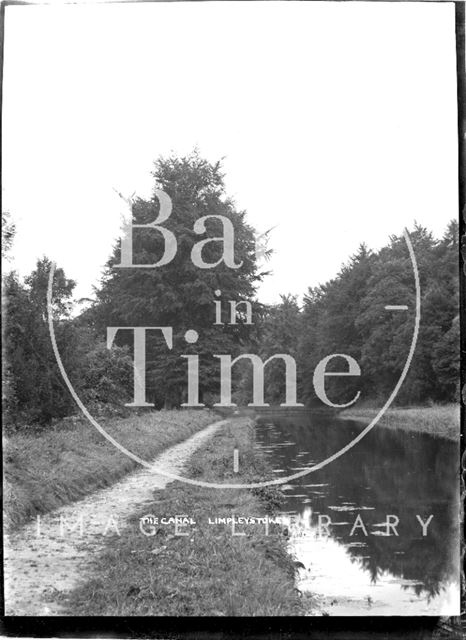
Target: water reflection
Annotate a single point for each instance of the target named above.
(389, 473)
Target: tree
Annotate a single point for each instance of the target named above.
(8, 392)
(39, 391)
(278, 331)
(348, 315)
(330, 317)
(446, 362)
(179, 294)
(8, 233)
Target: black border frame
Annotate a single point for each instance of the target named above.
(325, 628)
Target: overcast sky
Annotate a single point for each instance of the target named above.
(336, 121)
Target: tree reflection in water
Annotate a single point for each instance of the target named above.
(388, 472)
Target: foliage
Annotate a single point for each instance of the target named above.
(8, 233)
(179, 294)
(37, 392)
(348, 315)
(279, 332)
(34, 391)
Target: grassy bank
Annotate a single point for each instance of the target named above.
(210, 571)
(442, 421)
(64, 463)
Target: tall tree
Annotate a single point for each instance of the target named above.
(180, 294)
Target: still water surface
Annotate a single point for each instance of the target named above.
(389, 473)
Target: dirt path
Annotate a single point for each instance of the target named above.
(42, 561)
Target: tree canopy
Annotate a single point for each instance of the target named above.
(179, 294)
(345, 315)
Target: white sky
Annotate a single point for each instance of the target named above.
(337, 122)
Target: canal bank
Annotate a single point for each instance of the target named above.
(439, 421)
(196, 551)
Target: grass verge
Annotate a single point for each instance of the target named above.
(442, 421)
(209, 571)
(62, 464)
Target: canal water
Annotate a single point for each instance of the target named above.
(353, 563)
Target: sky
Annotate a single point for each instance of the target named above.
(336, 123)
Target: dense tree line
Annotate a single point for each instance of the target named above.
(34, 391)
(345, 315)
(177, 295)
